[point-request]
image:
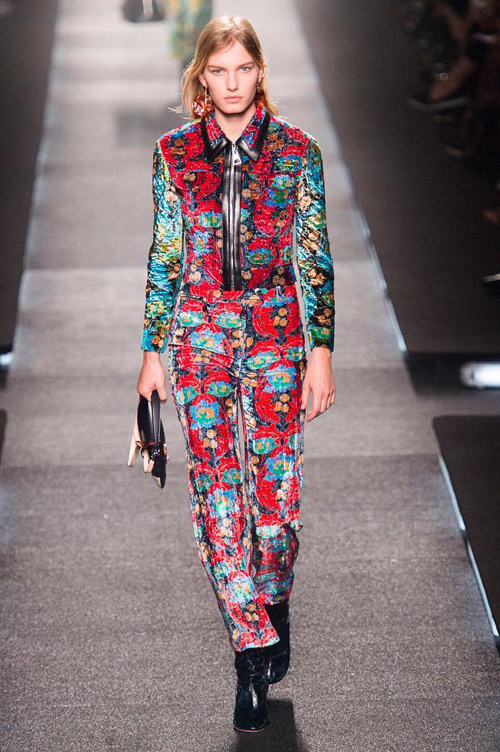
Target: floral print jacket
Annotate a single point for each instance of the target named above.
(282, 180)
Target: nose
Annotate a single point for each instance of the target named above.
(232, 83)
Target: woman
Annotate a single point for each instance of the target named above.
(221, 293)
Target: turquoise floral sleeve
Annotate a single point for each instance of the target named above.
(314, 259)
(165, 257)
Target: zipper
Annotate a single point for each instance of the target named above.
(231, 215)
(231, 206)
(236, 154)
(235, 160)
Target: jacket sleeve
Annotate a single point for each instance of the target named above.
(164, 259)
(314, 259)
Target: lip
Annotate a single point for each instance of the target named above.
(233, 99)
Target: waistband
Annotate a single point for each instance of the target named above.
(285, 287)
(255, 295)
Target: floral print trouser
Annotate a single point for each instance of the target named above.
(242, 351)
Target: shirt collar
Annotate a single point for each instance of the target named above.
(250, 141)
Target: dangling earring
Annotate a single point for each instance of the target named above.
(202, 104)
(208, 101)
(196, 106)
(259, 94)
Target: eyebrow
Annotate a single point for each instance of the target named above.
(214, 65)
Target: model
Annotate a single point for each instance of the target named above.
(221, 295)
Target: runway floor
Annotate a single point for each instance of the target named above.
(111, 636)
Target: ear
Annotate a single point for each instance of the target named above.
(200, 79)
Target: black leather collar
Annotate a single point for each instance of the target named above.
(252, 151)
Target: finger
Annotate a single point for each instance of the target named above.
(324, 404)
(162, 394)
(315, 408)
(306, 391)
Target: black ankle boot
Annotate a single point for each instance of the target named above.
(279, 652)
(250, 711)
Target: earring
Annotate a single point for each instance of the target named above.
(202, 104)
(208, 100)
(259, 93)
(196, 106)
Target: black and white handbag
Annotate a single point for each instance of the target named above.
(148, 438)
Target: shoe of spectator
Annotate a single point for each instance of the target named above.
(493, 216)
(421, 101)
(469, 160)
(492, 283)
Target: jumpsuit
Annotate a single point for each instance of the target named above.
(221, 295)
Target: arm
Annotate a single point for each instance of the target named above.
(316, 274)
(314, 259)
(164, 259)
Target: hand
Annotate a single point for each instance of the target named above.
(152, 376)
(319, 381)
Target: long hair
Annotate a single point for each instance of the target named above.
(218, 34)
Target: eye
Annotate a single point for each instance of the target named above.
(246, 67)
(215, 70)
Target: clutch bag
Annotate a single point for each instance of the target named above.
(148, 438)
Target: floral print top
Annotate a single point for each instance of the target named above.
(285, 184)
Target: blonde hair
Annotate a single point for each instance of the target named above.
(216, 35)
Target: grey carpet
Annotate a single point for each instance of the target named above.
(111, 637)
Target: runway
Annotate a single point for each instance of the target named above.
(111, 636)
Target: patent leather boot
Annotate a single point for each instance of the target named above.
(250, 711)
(279, 652)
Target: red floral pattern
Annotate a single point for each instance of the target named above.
(285, 184)
(252, 346)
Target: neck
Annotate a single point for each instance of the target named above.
(234, 124)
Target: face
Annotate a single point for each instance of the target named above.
(231, 76)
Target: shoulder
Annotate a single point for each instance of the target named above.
(177, 139)
(291, 133)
